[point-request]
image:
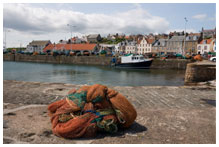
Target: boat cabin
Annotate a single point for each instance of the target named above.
(132, 59)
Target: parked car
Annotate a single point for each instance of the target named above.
(213, 59)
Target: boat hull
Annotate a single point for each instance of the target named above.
(139, 65)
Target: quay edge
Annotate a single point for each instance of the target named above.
(92, 60)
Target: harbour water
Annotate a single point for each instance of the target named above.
(84, 74)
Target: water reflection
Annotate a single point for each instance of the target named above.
(82, 74)
(68, 72)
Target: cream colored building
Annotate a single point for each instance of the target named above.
(131, 48)
(205, 46)
(144, 46)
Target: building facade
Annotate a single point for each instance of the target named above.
(175, 45)
(37, 45)
(94, 38)
(144, 46)
(204, 46)
(210, 33)
(191, 43)
(160, 46)
(131, 48)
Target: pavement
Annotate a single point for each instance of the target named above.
(166, 114)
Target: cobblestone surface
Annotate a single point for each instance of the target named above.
(166, 114)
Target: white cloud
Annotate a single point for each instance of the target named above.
(37, 21)
(200, 16)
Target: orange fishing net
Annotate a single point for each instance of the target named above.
(198, 57)
(89, 109)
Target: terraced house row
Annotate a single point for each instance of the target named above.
(172, 43)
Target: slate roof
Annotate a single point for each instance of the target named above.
(177, 38)
(39, 42)
(93, 36)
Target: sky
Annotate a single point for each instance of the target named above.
(23, 23)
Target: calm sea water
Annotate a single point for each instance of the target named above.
(83, 74)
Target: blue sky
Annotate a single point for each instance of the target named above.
(48, 21)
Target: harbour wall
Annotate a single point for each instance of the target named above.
(200, 72)
(170, 64)
(91, 60)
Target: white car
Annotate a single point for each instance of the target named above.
(213, 59)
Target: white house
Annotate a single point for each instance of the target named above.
(144, 45)
(131, 47)
(204, 46)
(37, 45)
(117, 48)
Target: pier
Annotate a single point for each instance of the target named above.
(166, 114)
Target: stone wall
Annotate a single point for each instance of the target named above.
(92, 60)
(170, 63)
(8, 57)
(200, 72)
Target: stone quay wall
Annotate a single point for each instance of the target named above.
(200, 72)
(170, 64)
(8, 57)
(89, 60)
(92, 60)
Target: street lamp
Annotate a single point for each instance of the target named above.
(185, 36)
(71, 26)
(20, 44)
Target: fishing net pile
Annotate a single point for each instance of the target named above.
(198, 57)
(84, 112)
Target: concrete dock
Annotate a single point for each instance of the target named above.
(166, 114)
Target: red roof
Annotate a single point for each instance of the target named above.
(70, 47)
(127, 37)
(194, 34)
(73, 39)
(208, 41)
(150, 41)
